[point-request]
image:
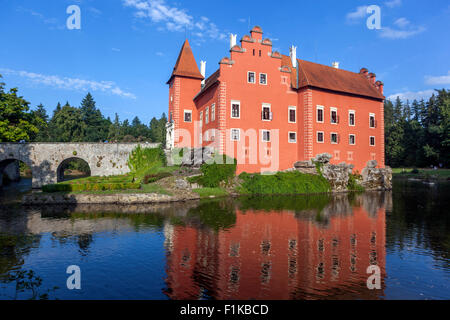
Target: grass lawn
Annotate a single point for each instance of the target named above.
(208, 192)
(423, 173)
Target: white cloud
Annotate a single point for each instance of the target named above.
(411, 95)
(51, 22)
(438, 80)
(358, 14)
(393, 3)
(390, 33)
(402, 22)
(70, 83)
(174, 19)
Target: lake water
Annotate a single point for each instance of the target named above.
(302, 247)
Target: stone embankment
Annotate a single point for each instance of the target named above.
(371, 178)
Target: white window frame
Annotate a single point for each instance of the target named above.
(354, 118)
(265, 105)
(184, 115)
(263, 84)
(207, 115)
(289, 114)
(289, 137)
(231, 106)
(317, 137)
(354, 139)
(350, 156)
(317, 114)
(262, 135)
(201, 118)
(370, 141)
(331, 115)
(337, 138)
(213, 112)
(239, 134)
(374, 120)
(254, 77)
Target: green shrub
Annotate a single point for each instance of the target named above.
(283, 183)
(352, 184)
(144, 161)
(415, 171)
(215, 173)
(150, 178)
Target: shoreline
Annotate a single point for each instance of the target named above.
(143, 198)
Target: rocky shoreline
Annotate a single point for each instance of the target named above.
(371, 179)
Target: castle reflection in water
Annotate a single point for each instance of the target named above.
(297, 247)
(282, 249)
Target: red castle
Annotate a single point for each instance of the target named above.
(270, 110)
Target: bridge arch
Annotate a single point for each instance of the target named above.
(10, 168)
(66, 162)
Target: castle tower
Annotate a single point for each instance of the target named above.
(184, 84)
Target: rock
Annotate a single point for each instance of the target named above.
(306, 167)
(376, 178)
(323, 158)
(337, 176)
(372, 164)
(182, 184)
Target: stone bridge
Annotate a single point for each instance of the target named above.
(47, 160)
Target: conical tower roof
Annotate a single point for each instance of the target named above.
(186, 65)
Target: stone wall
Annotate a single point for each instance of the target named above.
(373, 178)
(46, 159)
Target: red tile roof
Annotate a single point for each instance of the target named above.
(212, 80)
(186, 65)
(321, 76)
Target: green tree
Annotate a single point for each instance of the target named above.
(40, 120)
(67, 125)
(15, 120)
(93, 120)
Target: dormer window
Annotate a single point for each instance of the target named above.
(263, 78)
(250, 77)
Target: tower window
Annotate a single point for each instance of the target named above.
(352, 139)
(235, 109)
(187, 116)
(320, 137)
(319, 114)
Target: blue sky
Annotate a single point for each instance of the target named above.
(125, 50)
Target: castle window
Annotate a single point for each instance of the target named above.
(320, 137)
(263, 78)
(266, 115)
(292, 114)
(334, 116)
(207, 115)
(372, 141)
(235, 109)
(350, 156)
(319, 114)
(292, 137)
(213, 112)
(351, 118)
(372, 122)
(235, 134)
(265, 135)
(352, 139)
(250, 77)
(334, 138)
(201, 118)
(187, 116)
(260, 53)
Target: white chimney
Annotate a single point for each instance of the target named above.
(293, 54)
(233, 38)
(335, 65)
(203, 71)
